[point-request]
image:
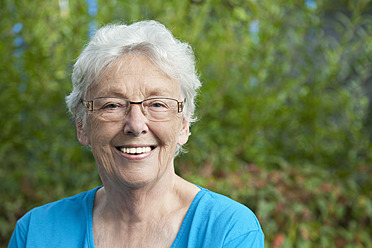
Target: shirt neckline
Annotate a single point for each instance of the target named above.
(186, 221)
(188, 217)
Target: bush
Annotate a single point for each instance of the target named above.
(299, 206)
(284, 89)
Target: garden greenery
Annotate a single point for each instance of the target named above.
(283, 111)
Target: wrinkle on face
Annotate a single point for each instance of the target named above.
(136, 81)
(139, 69)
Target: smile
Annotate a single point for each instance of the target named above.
(136, 150)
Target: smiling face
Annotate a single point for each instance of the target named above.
(134, 151)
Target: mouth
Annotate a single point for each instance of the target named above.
(135, 150)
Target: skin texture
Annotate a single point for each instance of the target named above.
(143, 201)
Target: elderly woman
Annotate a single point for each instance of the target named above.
(133, 101)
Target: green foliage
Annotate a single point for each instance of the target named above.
(288, 93)
(41, 158)
(284, 88)
(300, 207)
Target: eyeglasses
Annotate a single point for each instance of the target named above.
(115, 109)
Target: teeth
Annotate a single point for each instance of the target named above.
(135, 150)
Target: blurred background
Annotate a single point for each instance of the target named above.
(284, 111)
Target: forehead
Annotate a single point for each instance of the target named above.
(136, 76)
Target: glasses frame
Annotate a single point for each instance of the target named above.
(89, 103)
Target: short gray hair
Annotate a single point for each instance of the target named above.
(149, 38)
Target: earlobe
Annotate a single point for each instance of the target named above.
(81, 134)
(184, 133)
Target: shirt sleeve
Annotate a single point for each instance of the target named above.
(253, 239)
(18, 238)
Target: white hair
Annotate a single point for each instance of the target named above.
(148, 38)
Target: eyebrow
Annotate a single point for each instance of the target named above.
(116, 92)
(158, 92)
(111, 93)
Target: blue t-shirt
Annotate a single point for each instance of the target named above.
(212, 220)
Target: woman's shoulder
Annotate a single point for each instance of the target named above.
(65, 210)
(224, 210)
(63, 223)
(67, 204)
(215, 220)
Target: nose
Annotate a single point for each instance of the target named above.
(135, 122)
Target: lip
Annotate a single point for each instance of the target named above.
(135, 156)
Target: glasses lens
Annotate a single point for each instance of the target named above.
(115, 109)
(160, 109)
(110, 109)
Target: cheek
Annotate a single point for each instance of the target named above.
(168, 134)
(100, 134)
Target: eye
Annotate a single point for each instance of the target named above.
(111, 105)
(158, 105)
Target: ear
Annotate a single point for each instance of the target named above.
(81, 134)
(184, 133)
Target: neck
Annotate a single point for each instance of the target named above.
(148, 216)
(139, 204)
